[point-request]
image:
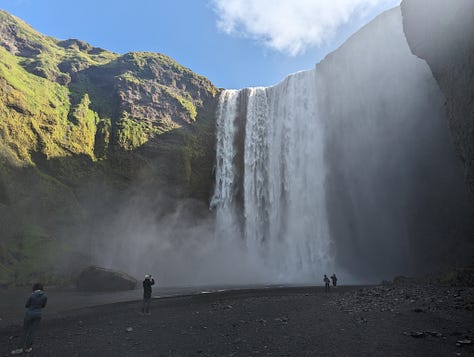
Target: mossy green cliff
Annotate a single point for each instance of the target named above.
(80, 127)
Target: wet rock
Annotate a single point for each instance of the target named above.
(434, 333)
(129, 329)
(96, 278)
(417, 334)
(464, 342)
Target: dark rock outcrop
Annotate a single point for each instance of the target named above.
(95, 278)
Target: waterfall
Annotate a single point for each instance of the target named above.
(347, 167)
(278, 171)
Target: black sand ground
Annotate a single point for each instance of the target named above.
(348, 321)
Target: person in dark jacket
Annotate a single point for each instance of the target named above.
(35, 304)
(326, 283)
(147, 283)
(334, 280)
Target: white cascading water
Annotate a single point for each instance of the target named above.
(227, 110)
(282, 218)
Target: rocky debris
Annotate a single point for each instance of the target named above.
(417, 334)
(457, 277)
(417, 298)
(129, 329)
(422, 334)
(96, 278)
(434, 333)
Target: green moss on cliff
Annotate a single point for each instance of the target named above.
(131, 133)
(80, 135)
(32, 110)
(186, 103)
(102, 137)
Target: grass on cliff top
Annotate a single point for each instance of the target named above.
(50, 53)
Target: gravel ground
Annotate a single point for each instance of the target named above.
(392, 320)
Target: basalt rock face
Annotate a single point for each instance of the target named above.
(82, 130)
(442, 33)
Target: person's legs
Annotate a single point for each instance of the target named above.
(147, 309)
(26, 327)
(26, 331)
(32, 328)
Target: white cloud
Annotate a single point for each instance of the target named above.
(289, 26)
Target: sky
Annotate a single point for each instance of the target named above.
(234, 43)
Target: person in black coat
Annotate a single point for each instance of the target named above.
(35, 303)
(326, 283)
(147, 283)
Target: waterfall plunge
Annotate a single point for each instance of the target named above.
(269, 189)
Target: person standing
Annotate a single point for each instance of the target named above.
(147, 283)
(334, 280)
(326, 283)
(35, 304)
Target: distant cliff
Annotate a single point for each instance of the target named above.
(80, 126)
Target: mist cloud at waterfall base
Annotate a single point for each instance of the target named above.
(176, 241)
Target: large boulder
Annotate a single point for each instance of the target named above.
(96, 278)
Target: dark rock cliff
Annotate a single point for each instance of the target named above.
(395, 196)
(442, 33)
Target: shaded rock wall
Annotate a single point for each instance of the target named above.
(395, 195)
(442, 33)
